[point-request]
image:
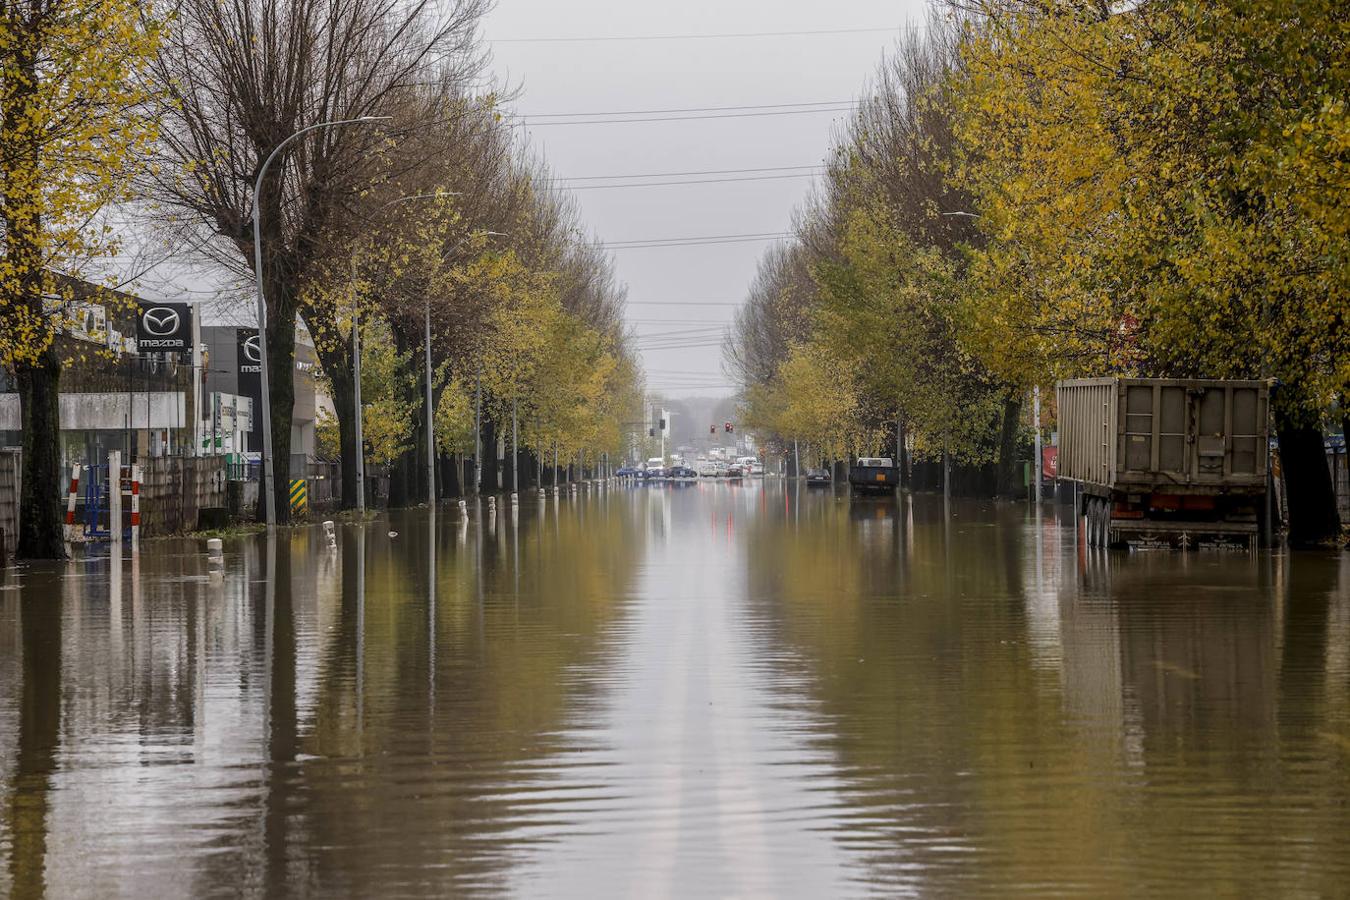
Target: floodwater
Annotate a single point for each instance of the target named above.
(715, 690)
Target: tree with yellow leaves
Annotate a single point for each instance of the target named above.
(73, 130)
(1163, 191)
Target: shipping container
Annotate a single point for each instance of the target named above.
(1165, 462)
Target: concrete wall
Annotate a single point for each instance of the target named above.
(107, 411)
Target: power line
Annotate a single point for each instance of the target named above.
(687, 243)
(684, 302)
(683, 174)
(743, 115)
(681, 109)
(700, 37)
(644, 184)
(700, 237)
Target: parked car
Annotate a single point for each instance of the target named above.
(681, 473)
(818, 478)
(627, 472)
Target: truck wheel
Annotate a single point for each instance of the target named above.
(1090, 517)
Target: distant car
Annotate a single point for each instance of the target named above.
(735, 470)
(817, 477)
(627, 472)
(681, 473)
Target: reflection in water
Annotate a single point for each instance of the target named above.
(748, 690)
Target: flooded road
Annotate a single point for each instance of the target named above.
(712, 690)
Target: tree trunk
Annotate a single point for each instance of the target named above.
(336, 361)
(1007, 481)
(399, 482)
(38, 375)
(899, 455)
(1307, 479)
(281, 384)
(490, 466)
(40, 507)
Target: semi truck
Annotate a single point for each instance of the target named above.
(1164, 462)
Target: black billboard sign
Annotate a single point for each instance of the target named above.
(248, 359)
(164, 327)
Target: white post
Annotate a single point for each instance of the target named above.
(115, 496)
(515, 449)
(796, 460)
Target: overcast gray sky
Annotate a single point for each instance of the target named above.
(680, 288)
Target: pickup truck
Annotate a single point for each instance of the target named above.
(874, 473)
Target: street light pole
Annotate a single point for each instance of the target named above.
(431, 418)
(360, 413)
(263, 367)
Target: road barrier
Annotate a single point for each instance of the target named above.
(299, 495)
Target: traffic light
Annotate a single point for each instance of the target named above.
(727, 427)
(712, 429)
(651, 432)
(663, 424)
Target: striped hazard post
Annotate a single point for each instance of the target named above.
(70, 530)
(299, 495)
(134, 489)
(74, 492)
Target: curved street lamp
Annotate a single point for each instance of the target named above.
(265, 384)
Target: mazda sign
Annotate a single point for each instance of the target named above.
(164, 327)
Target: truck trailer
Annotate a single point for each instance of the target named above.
(1166, 462)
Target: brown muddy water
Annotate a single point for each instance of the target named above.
(706, 691)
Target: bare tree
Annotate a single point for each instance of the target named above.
(244, 76)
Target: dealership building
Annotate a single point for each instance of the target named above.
(151, 379)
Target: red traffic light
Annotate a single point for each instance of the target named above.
(727, 426)
(712, 429)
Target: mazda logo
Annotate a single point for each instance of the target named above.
(160, 321)
(252, 352)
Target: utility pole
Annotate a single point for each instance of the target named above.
(360, 414)
(478, 432)
(1036, 415)
(431, 431)
(515, 450)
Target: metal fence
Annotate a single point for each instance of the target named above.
(10, 471)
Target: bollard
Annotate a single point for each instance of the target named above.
(215, 547)
(515, 500)
(329, 531)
